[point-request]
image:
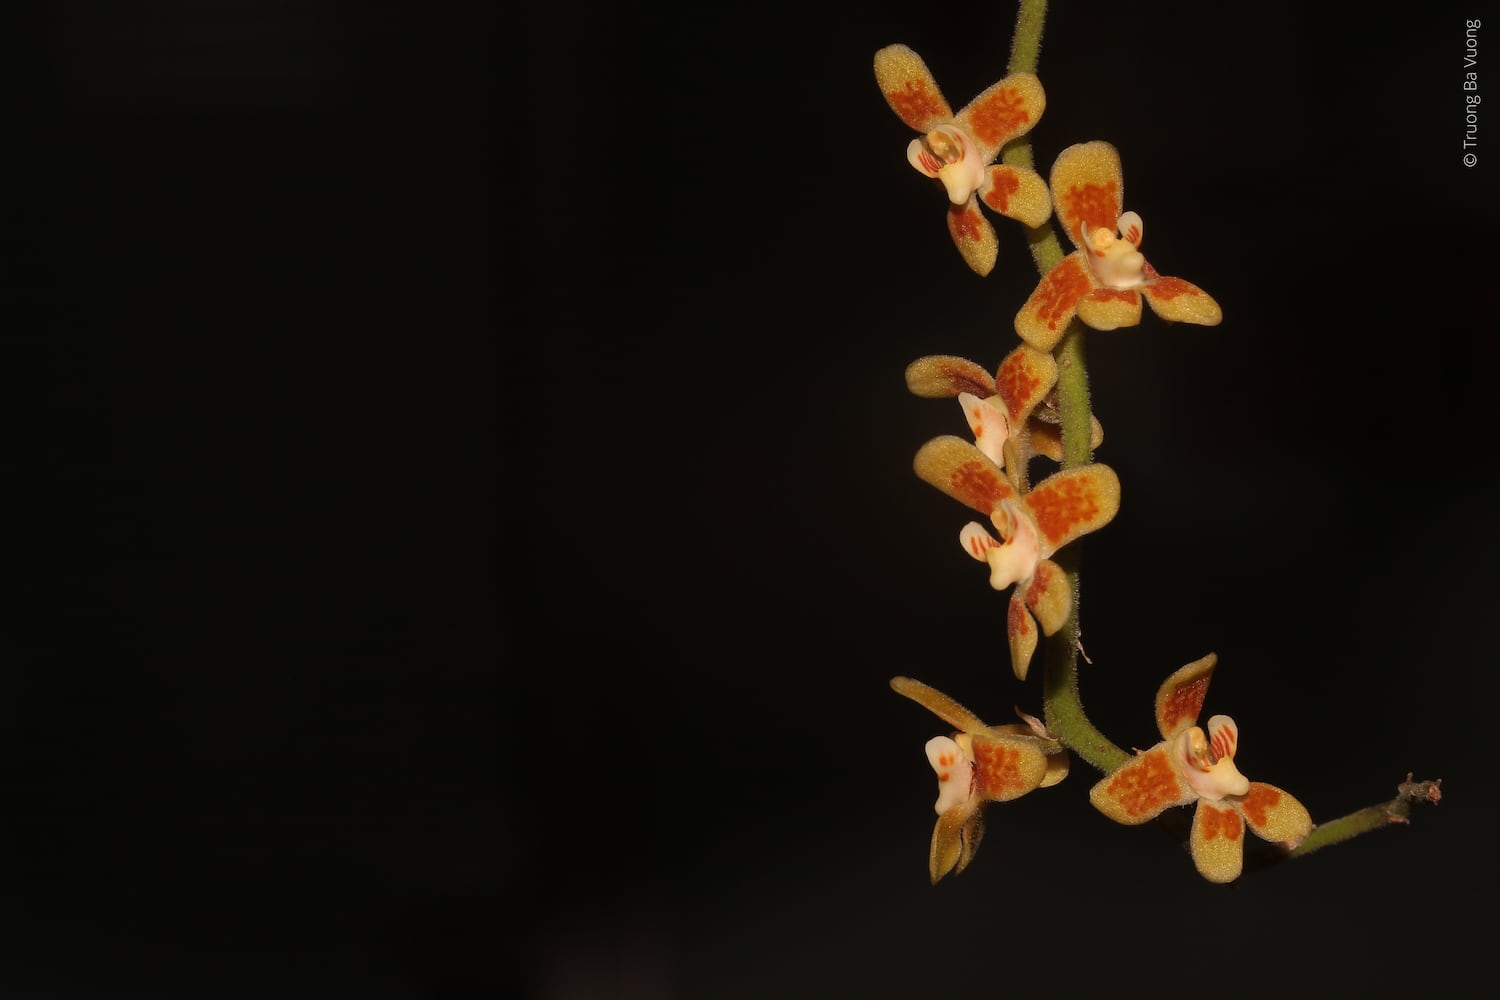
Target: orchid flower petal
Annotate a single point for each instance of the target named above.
(1006, 765)
(1046, 314)
(1274, 815)
(1180, 697)
(1179, 301)
(909, 88)
(1217, 842)
(1017, 193)
(943, 376)
(974, 236)
(939, 704)
(1049, 596)
(962, 471)
(1087, 189)
(1072, 503)
(1024, 378)
(1131, 228)
(1110, 308)
(1142, 788)
(1003, 111)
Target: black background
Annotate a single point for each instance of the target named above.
(319, 686)
(251, 616)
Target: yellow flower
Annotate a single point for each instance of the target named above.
(1189, 765)
(1104, 280)
(976, 765)
(960, 150)
(1010, 413)
(1032, 526)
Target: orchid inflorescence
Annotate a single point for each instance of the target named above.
(1028, 409)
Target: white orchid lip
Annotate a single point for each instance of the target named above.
(955, 772)
(1207, 761)
(1012, 561)
(989, 424)
(1116, 260)
(948, 154)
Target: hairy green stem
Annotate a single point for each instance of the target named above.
(1062, 707)
(1026, 43)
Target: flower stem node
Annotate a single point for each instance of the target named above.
(959, 150)
(1190, 765)
(976, 765)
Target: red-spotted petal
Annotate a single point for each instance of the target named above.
(1049, 596)
(962, 471)
(1007, 766)
(1181, 301)
(1045, 315)
(1072, 503)
(943, 376)
(1088, 186)
(1023, 380)
(1002, 112)
(1217, 842)
(1132, 229)
(1180, 697)
(938, 704)
(1110, 308)
(1020, 630)
(1142, 788)
(1017, 193)
(1274, 815)
(974, 236)
(909, 88)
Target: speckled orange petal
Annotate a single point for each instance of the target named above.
(1073, 502)
(1045, 315)
(1217, 842)
(1007, 766)
(1110, 308)
(947, 840)
(1274, 815)
(1181, 301)
(1049, 597)
(1023, 380)
(1002, 112)
(974, 236)
(909, 88)
(1020, 629)
(1142, 788)
(943, 376)
(962, 471)
(1088, 186)
(1180, 697)
(1046, 438)
(1017, 193)
(938, 704)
